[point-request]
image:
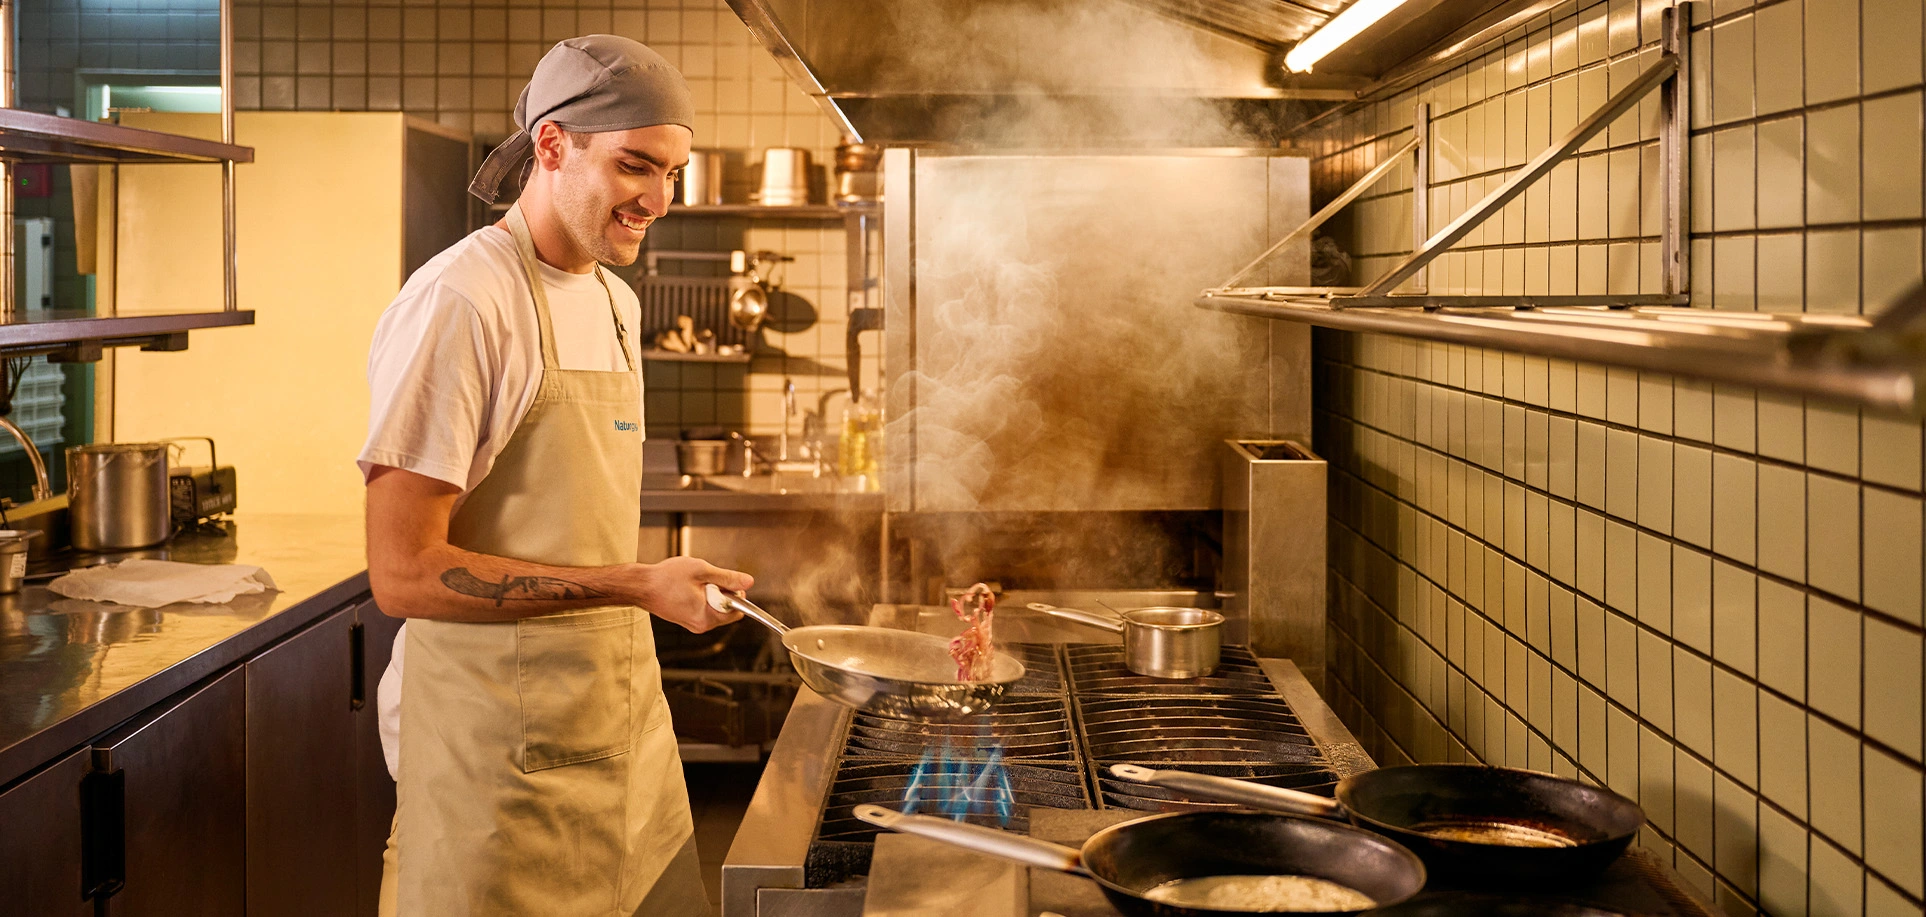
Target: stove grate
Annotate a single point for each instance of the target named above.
(1025, 727)
(1043, 671)
(1183, 731)
(1099, 669)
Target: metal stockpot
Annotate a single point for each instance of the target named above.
(117, 495)
(1162, 641)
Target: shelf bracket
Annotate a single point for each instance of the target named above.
(1664, 69)
(1328, 211)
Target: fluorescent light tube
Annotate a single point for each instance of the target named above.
(1354, 19)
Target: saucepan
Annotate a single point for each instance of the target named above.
(1466, 820)
(1162, 641)
(1132, 860)
(896, 673)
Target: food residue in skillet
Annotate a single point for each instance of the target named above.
(1261, 894)
(1498, 833)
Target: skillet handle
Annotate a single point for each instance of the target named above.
(1241, 792)
(723, 601)
(982, 840)
(1086, 618)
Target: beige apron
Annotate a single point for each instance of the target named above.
(538, 770)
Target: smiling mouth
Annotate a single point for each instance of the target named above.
(632, 223)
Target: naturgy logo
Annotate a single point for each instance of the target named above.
(625, 426)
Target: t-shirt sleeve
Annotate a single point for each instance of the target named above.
(429, 384)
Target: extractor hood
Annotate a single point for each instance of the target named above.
(1087, 73)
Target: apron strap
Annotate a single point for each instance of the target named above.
(525, 248)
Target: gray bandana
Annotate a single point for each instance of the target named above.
(590, 84)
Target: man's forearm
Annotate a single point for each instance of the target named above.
(447, 583)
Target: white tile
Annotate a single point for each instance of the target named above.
(1655, 583)
(1832, 164)
(1782, 427)
(1736, 835)
(1835, 799)
(1692, 409)
(1782, 521)
(1782, 754)
(1692, 495)
(1654, 486)
(1782, 638)
(1780, 59)
(1892, 153)
(1691, 598)
(1692, 699)
(1733, 182)
(1893, 819)
(1621, 566)
(1891, 43)
(1782, 863)
(1832, 270)
(1892, 671)
(1734, 418)
(1890, 262)
(1892, 539)
(1655, 777)
(1732, 76)
(1833, 640)
(1734, 274)
(1735, 616)
(1591, 465)
(1832, 535)
(1832, 437)
(1591, 643)
(1655, 403)
(1781, 169)
(1735, 726)
(1782, 272)
(1832, 50)
(1734, 507)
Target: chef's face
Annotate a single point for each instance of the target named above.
(611, 185)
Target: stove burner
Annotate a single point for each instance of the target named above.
(1191, 730)
(1099, 669)
(844, 843)
(1125, 794)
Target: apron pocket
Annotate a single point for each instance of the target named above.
(573, 672)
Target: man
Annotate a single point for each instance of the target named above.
(523, 715)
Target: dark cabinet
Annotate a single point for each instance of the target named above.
(374, 814)
(301, 782)
(40, 842)
(178, 777)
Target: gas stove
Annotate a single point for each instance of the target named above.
(1047, 745)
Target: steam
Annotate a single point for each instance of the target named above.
(1060, 365)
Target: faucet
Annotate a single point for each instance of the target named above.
(40, 489)
(816, 430)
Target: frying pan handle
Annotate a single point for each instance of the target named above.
(982, 840)
(723, 601)
(1081, 617)
(1224, 789)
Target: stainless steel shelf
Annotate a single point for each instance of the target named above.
(773, 212)
(1845, 357)
(30, 136)
(670, 356)
(78, 336)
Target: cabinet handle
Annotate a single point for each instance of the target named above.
(358, 665)
(103, 833)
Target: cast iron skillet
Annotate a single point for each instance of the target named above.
(1469, 905)
(1130, 858)
(1469, 822)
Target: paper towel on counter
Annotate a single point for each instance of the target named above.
(153, 583)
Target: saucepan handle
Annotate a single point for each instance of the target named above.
(974, 837)
(723, 601)
(1090, 619)
(1241, 792)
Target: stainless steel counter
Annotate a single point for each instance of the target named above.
(70, 670)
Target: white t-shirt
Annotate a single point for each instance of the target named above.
(455, 363)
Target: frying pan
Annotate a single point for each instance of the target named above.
(1162, 641)
(1133, 857)
(895, 673)
(1472, 905)
(1491, 813)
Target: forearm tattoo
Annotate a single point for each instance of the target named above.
(515, 587)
